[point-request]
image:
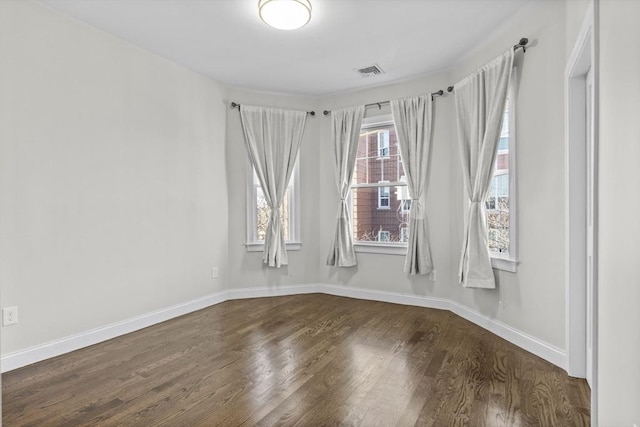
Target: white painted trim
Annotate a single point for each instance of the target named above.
(259, 246)
(373, 120)
(275, 291)
(540, 348)
(80, 340)
(385, 296)
(505, 264)
(381, 248)
(74, 342)
(511, 264)
(581, 59)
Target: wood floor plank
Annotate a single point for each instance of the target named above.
(303, 360)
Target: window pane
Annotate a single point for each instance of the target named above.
(263, 213)
(383, 143)
(369, 220)
(378, 158)
(383, 198)
(497, 203)
(503, 143)
(504, 130)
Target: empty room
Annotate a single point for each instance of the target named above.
(320, 212)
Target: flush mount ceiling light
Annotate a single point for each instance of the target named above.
(285, 14)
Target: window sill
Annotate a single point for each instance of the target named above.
(381, 248)
(259, 246)
(504, 264)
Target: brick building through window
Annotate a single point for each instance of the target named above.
(379, 193)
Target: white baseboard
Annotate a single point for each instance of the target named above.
(73, 342)
(533, 345)
(70, 343)
(262, 291)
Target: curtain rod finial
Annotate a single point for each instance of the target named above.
(522, 44)
(450, 89)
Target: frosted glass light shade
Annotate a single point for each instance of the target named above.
(285, 14)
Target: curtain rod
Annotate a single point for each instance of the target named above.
(236, 105)
(522, 44)
(381, 103)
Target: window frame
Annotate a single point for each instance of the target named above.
(385, 248)
(509, 261)
(252, 243)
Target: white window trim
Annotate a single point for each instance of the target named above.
(509, 262)
(383, 248)
(390, 248)
(259, 246)
(294, 244)
(504, 264)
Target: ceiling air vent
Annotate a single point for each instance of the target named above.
(371, 70)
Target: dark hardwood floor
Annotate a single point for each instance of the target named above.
(307, 360)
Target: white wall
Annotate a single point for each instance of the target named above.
(112, 178)
(619, 211)
(246, 268)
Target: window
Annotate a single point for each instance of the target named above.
(383, 197)
(383, 143)
(384, 236)
(379, 198)
(258, 213)
(500, 202)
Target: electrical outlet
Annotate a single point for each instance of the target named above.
(214, 272)
(9, 316)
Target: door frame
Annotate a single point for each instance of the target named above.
(591, 249)
(582, 59)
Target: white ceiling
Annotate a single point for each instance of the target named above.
(227, 41)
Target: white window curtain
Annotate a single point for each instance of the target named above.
(479, 101)
(273, 138)
(345, 132)
(413, 119)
